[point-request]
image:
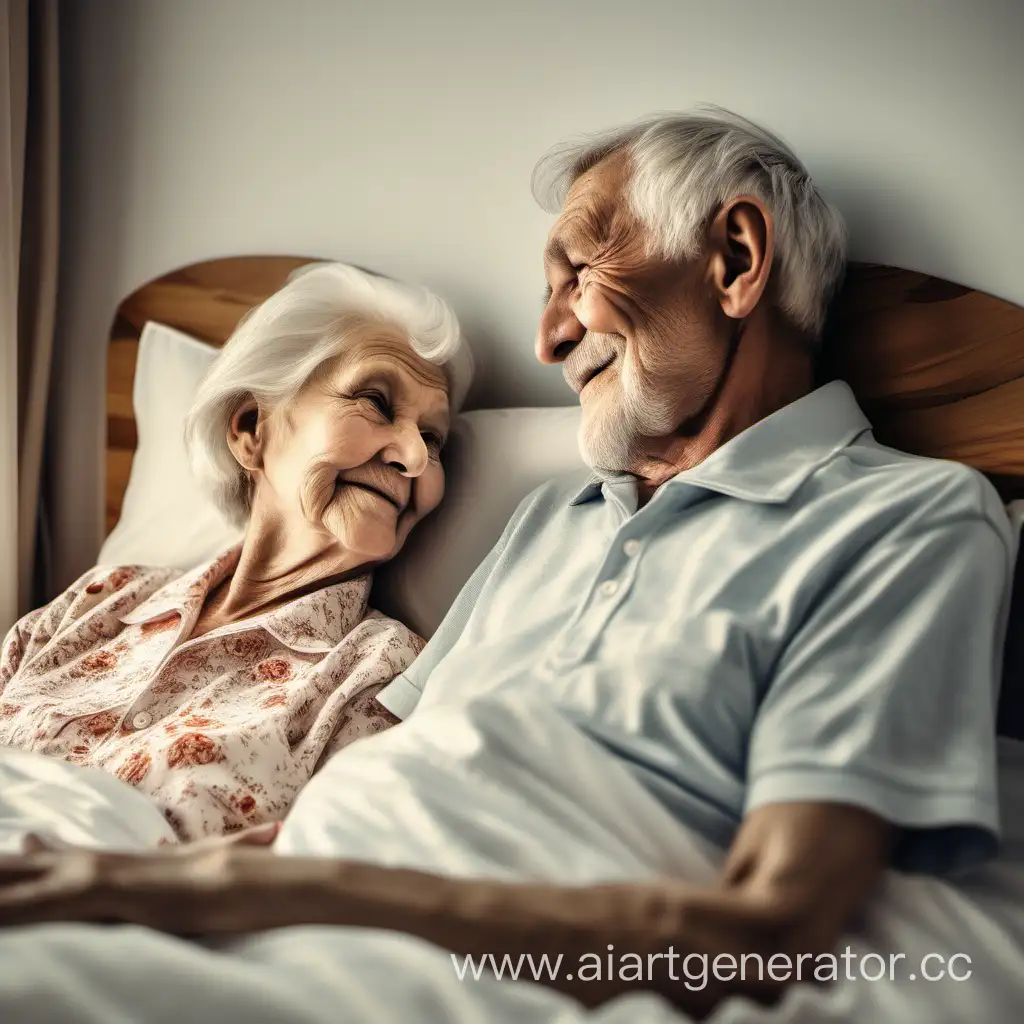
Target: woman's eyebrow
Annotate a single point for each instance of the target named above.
(375, 375)
(398, 385)
(440, 423)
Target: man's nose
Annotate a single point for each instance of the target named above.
(558, 333)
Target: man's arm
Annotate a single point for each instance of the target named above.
(793, 878)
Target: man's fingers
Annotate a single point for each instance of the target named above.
(21, 869)
(258, 835)
(34, 844)
(25, 903)
(34, 891)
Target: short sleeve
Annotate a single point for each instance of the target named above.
(885, 697)
(403, 694)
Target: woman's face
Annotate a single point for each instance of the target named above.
(356, 456)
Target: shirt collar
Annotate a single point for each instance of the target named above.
(771, 460)
(319, 621)
(186, 593)
(315, 622)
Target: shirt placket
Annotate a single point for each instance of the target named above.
(144, 710)
(120, 709)
(614, 579)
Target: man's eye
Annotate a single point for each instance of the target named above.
(433, 442)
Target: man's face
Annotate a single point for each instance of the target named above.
(641, 339)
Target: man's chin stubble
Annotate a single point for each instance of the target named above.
(611, 449)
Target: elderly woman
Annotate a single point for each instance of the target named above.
(218, 692)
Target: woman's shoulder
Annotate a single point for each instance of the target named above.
(118, 576)
(117, 588)
(377, 649)
(392, 631)
(125, 585)
(88, 608)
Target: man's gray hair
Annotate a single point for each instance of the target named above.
(281, 344)
(683, 167)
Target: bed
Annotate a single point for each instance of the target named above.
(940, 371)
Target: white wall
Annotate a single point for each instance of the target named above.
(401, 135)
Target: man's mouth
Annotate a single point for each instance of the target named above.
(596, 371)
(371, 489)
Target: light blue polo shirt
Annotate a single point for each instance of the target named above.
(805, 616)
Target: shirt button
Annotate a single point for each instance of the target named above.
(631, 548)
(610, 588)
(142, 720)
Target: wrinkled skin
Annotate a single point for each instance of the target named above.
(340, 475)
(650, 344)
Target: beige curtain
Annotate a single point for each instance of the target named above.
(29, 188)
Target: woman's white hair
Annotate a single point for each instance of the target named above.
(280, 344)
(684, 166)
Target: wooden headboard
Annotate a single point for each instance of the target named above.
(938, 368)
(205, 300)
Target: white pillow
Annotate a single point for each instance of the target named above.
(494, 459)
(166, 519)
(1015, 510)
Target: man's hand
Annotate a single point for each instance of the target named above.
(255, 835)
(794, 877)
(159, 888)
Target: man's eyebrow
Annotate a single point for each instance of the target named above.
(554, 251)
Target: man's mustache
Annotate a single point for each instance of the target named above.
(592, 353)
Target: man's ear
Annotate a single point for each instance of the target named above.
(247, 435)
(741, 246)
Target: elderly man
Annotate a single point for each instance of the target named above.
(695, 704)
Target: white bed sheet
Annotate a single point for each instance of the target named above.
(503, 790)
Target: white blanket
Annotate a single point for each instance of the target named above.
(500, 790)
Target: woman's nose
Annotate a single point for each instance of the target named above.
(407, 452)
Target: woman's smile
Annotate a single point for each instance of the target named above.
(374, 489)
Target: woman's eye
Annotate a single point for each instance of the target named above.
(434, 444)
(379, 402)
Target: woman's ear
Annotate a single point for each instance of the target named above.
(247, 435)
(741, 246)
